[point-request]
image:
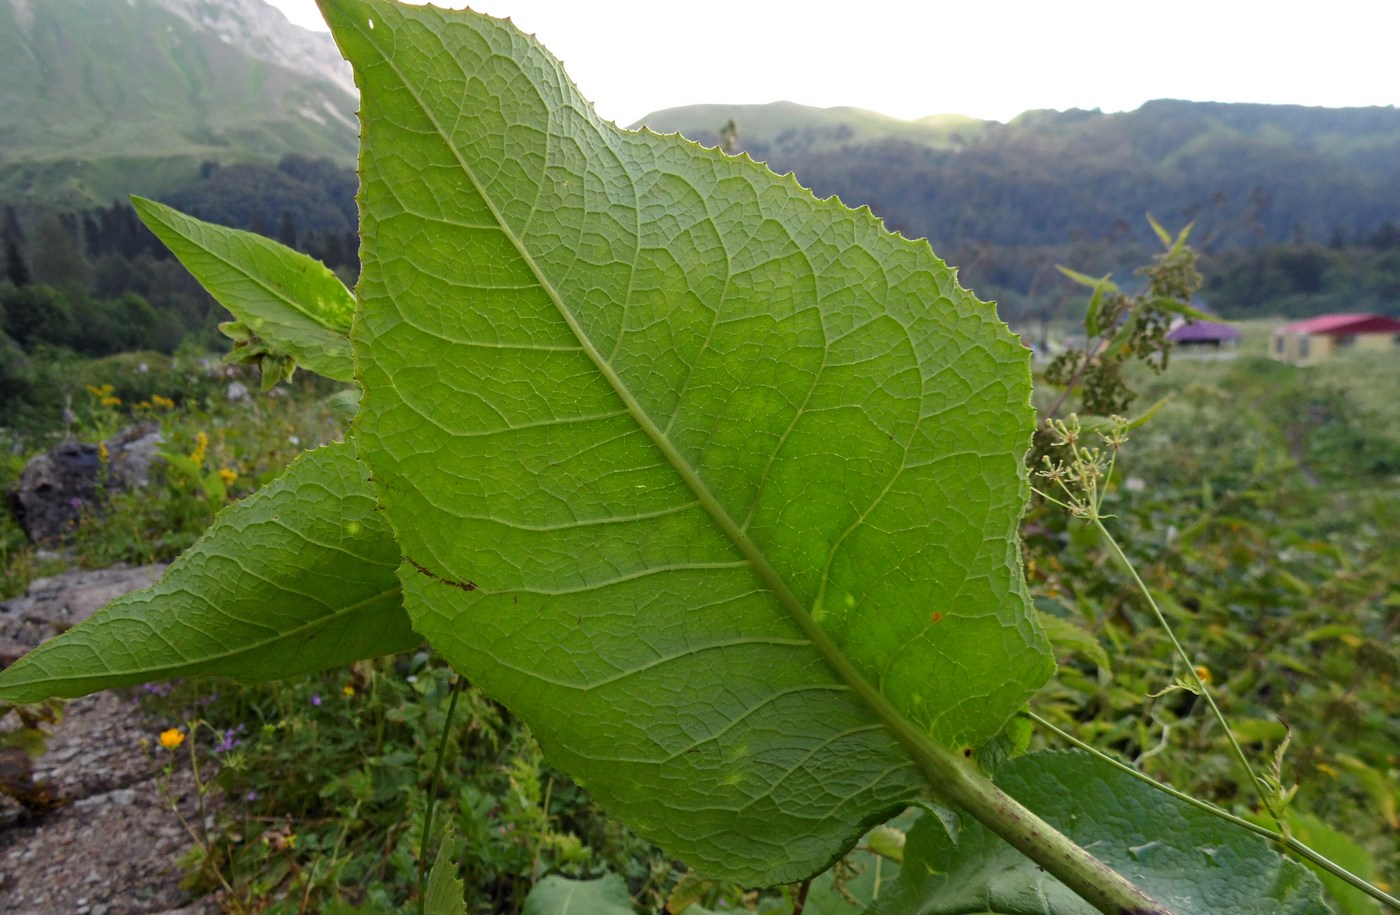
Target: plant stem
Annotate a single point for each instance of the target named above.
(1280, 837)
(1099, 885)
(1126, 769)
(432, 798)
(1288, 842)
(1201, 689)
(801, 902)
(960, 783)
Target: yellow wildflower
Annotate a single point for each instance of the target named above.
(172, 738)
(103, 391)
(348, 690)
(103, 454)
(201, 447)
(1203, 672)
(228, 475)
(165, 403)
(110, 401)
(144, 405)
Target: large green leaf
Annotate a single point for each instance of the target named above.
(555, 895)
(295, 578)
(291, 303)
(1191, 861)
(681, 459)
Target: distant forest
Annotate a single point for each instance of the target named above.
(1295, 209)
(97, 282)
(1280, 235)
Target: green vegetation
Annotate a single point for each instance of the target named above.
(854, 447)
(244, 444)
(1302, 280)
(1005, 203)
(1281, 587)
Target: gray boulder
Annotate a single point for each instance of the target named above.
(69, 481)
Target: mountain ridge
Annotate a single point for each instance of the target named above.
(101, 98)
(1008, 201)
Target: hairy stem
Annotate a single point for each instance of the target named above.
(960, 783)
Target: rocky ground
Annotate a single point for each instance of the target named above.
(110, 845)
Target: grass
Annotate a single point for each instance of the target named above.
(246, 443)
(1259, 504)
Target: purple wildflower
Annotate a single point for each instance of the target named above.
(230, 740)
(315, 698)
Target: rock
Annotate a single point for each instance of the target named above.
(69, 481)
(114, 847)
(52, 605)
(131, 452)
(55, 489)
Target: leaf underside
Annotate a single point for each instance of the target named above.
(662, 436)
(555, 895)
(1187, 859)
(285, 297)
(298, 577)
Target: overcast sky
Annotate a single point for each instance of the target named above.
(986, 58)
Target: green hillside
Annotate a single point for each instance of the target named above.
(787, 128)
(100, 98)
(1006, 202)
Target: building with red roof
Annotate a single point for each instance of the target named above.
(1311, 341)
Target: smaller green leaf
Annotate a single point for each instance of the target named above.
(446, 892)
(1084, 279)
(857, 880)
(298, 577)
(344, 404)
(1322, 838)
(289, 306)
(214, 488)
(1258, 730)
(1124, 334)
(555, 895)
(1382, 789)
(1067, 638)
(1105, 424)
(1162, 234)
(1175, 306)
(1192, 862)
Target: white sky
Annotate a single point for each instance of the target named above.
(986, 58)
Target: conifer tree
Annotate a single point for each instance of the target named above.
(12, 241)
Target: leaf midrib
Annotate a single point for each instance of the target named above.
(933, 759)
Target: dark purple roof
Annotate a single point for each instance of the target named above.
(1201, 332)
